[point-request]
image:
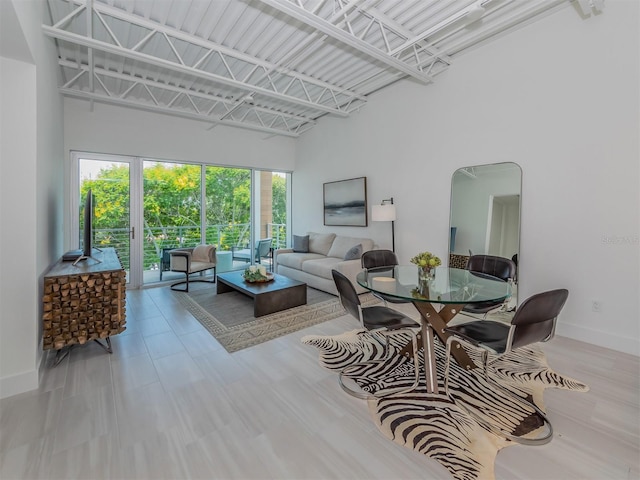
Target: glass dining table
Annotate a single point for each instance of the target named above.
(438, 300)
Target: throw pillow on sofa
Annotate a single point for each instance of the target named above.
(301, 243)
(342, 244)
(354, 253)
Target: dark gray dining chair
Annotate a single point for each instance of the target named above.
(376, 319)
(494, 266)
(379, 259)
(533, 322)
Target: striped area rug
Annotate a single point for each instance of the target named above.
(433, 424)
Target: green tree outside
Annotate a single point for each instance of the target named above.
(172, 205)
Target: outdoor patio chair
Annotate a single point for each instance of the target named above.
(261, 250)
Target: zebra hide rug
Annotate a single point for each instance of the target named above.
(432, 424)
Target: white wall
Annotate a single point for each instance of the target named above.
(119, 130)
(17, 216)
(30, 188)
(559, 97)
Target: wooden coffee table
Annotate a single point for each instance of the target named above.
(279, 294)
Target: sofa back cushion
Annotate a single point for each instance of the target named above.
(341, 245)
(321, 242)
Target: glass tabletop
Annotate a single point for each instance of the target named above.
(448, 285)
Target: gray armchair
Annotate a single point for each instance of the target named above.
(193, 260)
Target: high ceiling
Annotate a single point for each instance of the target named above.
(270, 65)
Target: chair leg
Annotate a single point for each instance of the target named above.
(368, 396)
(183, 282)
(187, 280)
(541, 440)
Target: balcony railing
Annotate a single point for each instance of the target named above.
(158, 238)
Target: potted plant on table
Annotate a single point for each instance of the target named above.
(426, 263)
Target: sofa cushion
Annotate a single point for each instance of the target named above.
(295, 260)
(354, 253)
(341, 245)
(321, 242)
(321, 267)
(301, 243)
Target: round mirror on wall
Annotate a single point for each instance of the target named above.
(485, 213)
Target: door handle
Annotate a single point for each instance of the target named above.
(133, 233)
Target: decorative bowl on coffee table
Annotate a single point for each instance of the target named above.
(268, 277)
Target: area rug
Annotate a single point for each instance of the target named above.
(229, 316)
(433, 424)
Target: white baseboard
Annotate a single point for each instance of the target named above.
(19, 383)
(601, 338)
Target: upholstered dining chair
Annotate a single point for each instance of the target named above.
(378, 259)
(533, 322)
(192, 260)
(376, 319)
(499, 267)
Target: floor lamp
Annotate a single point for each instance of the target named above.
(386, 212)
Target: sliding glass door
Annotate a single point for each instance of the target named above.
(228, 213)
(109, 179)
(144, 208)
(171, 213)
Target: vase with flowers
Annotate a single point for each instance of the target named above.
(426, 263)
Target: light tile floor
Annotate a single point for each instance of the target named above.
(171, 403)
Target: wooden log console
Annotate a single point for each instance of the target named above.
(84, 302)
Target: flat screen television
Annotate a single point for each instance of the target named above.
(85, 252)
(88, 225)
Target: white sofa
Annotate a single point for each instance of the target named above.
(326, 251)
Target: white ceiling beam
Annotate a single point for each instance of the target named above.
(435, 29)
(63, 22)
(209, 45)
(336, 33)
(171, 88)
(90, 62)
(176, 67)
(532, 11)
(399, 30)
(295, 54)
(100, 98)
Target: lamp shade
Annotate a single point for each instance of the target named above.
(383, 213)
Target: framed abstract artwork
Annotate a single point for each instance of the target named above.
(345, 202)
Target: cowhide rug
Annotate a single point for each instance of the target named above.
(432, 423)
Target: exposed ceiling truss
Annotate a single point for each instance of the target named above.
(274, 66)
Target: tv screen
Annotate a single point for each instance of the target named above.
(84, 253)
(88, 225)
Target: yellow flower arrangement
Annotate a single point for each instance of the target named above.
(426, 260)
